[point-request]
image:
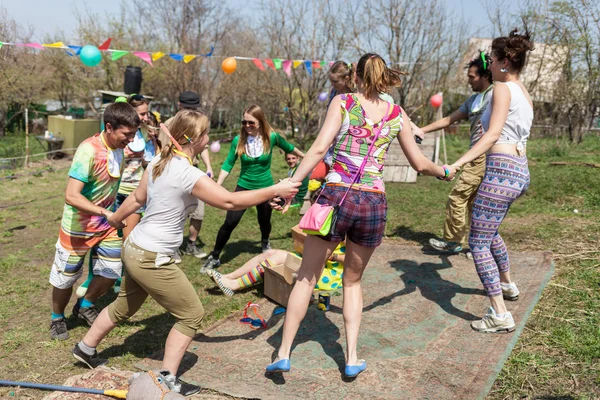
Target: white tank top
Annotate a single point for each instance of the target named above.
(518, 123)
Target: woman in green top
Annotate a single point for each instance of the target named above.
(254, 146)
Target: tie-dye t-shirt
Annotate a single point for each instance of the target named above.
(90, 167)
(353, 142)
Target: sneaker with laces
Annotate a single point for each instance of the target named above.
(510, 291)
(442, 245)
(490, 323)
(92, 361)
(58, 329)
(177, 385)
(211, 263)
(87, 314)
(192, 250)
(265, 245)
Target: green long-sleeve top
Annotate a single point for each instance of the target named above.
(256, 171)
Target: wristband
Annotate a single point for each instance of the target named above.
(446, 173)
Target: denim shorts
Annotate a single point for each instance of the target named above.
(361, 216)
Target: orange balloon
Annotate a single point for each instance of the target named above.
(229, 65)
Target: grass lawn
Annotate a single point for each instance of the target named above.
(557, 355)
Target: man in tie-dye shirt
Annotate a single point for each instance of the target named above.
(91, 191)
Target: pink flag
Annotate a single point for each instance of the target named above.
(270, 63)
(33, 45)
(287, 67)
(144, 56)
(258, 64)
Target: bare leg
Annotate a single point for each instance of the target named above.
(195, 226)
(131, 222)
(276, 256)
(308, 274)
(498, 304)
(357, 258)
(177, 344)
(98, 286)
(101, 327)
(60, 299)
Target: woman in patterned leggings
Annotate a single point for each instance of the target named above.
(507, 123)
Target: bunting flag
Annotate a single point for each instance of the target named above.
(144, 56)
(287, 67)
(32, 45)
(188, 57)
(105, 46)
(56, 45)
(149, 57)
(308, 65)
(331, 63)
(157, 54)
(258, 64)
(118, 54)
(270, 63)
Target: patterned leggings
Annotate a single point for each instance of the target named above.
(506, 178)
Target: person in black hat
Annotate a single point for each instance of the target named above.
(191, 100)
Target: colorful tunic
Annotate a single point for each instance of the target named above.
(353, 141)
(90, 166)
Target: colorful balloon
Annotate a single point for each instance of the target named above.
(90, 55)
(215, 146)
(323, 96)
(436, 100)
(229, 65)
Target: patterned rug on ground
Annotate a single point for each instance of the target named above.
(415, 336)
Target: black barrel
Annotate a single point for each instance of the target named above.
(133, 80)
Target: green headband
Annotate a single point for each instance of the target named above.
(484, 61)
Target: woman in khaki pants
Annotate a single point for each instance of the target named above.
(170, 188)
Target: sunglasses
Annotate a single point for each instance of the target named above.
(137, 97)
(249, 123)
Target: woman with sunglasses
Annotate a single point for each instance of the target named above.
(137, 155)
(254, 146)
(507, 122)
(169, 187)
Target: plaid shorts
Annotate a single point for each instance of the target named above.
(362, 216)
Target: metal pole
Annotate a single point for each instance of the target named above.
(26, 137)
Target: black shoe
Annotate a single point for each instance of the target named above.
(91, 361)
(87, 314)
(58, 329)
(211, 263)
(265, 245)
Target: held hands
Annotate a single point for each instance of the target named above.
(417, 131)
(449, 173)
(280, 204)
(111, 221)
(286, 188)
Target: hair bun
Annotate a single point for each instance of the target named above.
(519, 43)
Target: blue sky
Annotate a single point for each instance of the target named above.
(46, 16)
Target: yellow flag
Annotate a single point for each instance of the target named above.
(55, 45)
(188, 57)
(296, 63)
(157, 55)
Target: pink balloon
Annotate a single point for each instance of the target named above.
(215, 146)
(436, 100)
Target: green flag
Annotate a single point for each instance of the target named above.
(118, 54)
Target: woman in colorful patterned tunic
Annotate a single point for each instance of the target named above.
(353, 121)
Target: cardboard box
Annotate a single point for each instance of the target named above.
(280, 279)
(298, 237)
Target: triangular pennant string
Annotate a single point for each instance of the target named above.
(116, 54)
(316, 64)
(297, 63)
(56, 45)
(258, 64)
(277, 63)
(270, 63)
(144, 56)
(323, 63)
(188, 57)
(176, 57)
(209, 54)
(76, 49)
(32, 45)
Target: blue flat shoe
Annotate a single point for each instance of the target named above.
(352, 371)
(282, 365)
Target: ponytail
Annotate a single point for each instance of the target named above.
(376, 76)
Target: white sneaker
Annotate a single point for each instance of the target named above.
(510, 291)
(490, 323)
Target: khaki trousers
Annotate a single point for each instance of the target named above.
(460, 201)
